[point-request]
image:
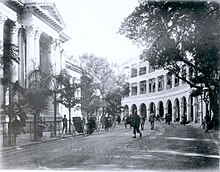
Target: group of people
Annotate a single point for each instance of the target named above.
(135, 121)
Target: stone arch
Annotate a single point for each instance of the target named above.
(143, 109)
(169, 107)
(176, 110)
(133, 108)
(152, 108)
(160, 109)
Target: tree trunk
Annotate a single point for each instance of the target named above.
(215, 108)
(70, 121)
(55, 114)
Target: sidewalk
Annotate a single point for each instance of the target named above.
(24, 140)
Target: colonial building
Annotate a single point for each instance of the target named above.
(156, 91)
(36, 29)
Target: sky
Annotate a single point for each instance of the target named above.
(93, 26)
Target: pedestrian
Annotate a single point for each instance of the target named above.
(142, 121)
(64, 120)
(168, 118)
(136, 124)
(184, 119)
(151, 120)
(207, 122)
(41, 126)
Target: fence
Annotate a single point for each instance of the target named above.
(34, 135)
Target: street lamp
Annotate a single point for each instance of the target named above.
(55, 86)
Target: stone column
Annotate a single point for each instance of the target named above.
(139, 112)
(52, 59)
(173, 114)
(147, 86)
(165, 82)
(138, 88)
(156, 84)
(57, 57)
(31, 64)
(37, 47)
(188, 112)
(14, 41)
(195, 110)
(2, 21)
(181, 112)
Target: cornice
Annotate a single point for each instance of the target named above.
(40, 13)
(64, 37)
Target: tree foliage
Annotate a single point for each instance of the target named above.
(176, 34)
(67, 90)
(104, 79)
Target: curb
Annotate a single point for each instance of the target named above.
(14, 148)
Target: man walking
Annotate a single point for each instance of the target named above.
(151, 120)
(136, 124)
(64, 120)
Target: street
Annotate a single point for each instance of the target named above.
(168, 147)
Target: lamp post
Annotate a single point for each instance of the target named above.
(55, 89)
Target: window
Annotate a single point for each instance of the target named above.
(134, 70)
(143, 87)
(134, 89)
(169, 81)
(152, 85)
(142, 70)
(160, 83)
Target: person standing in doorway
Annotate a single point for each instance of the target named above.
(64, 120)
(136, 124)
(151, 120)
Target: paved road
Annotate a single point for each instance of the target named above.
(168, 147)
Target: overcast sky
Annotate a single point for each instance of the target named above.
(92, 26)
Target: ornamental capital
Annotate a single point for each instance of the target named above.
(31, 29)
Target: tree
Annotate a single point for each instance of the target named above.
(68, 88)
(87, 93)
(103, 78)
(176, 34)
(35, 98)
(9, 57)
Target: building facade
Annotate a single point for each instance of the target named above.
(36, 29)
(158, 92)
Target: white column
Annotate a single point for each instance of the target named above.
(195, 110)
(139, 112)
(173, 114)
(37, 47)
(14, 41)
(58, 57)
(181, 112)
(31, 64)
(147, 86)
(156, 84)
(138, 88)
(165, 81)
(2, 21)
